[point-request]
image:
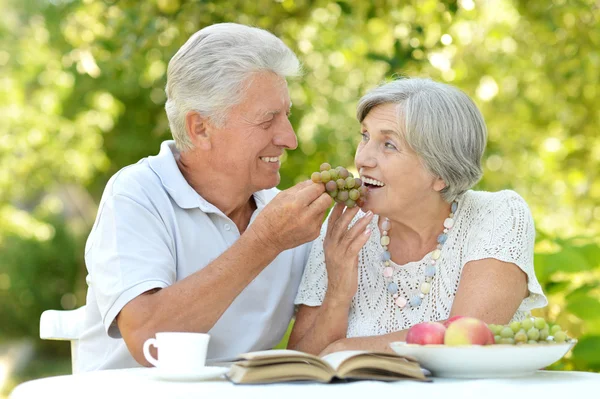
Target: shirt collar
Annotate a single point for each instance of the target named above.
(165, 166)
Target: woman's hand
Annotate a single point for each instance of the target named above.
(341, 247)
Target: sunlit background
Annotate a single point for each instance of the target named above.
(82, 95)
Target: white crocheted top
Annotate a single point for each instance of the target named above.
(487, 225)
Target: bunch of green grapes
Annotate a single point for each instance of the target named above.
(341, 184)
(529, 331)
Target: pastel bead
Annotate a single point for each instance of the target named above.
(386, 225)
(415, 301)
(448, 223)
(442, 238)
(395, 295)
(435, 255)
(430, 271)
(385, 256)
(392, 288)
(454, 206)
(425, 288)
(388, 272)
(386, 263)
(385, 240)
(400, 302)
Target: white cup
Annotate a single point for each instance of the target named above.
(178, 352)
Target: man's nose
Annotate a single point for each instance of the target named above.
(285, 136)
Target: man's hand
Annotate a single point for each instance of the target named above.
(293, 217)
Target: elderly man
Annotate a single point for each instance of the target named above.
(197, 238)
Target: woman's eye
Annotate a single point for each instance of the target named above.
(364, 137)
(390, 146)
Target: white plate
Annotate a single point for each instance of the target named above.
(206, 373)
(490, 361)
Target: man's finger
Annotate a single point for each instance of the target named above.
(309, 193)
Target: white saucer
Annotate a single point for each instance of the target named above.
(206, 373)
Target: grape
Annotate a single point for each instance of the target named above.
(343, 172)
(342, 195)
(529, 331)
(527, 324)
(560, 336)
(506, 341)
(521, 336)
(539, 323)
(341, 185)
(555, 328)
(533, 333)
(507, 332)
(330, 186)
(515, 326)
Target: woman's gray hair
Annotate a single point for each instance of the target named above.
(211, 71)
(441, 124)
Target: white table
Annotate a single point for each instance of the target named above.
(142, 383)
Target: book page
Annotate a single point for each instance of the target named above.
(336, 358)
(273, 353)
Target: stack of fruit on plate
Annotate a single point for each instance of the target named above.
(461, 330)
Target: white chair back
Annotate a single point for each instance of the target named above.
(64, 325)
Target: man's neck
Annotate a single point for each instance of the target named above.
(237, 203)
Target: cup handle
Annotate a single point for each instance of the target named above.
(147, 355)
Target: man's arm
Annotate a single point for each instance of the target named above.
(196, 302)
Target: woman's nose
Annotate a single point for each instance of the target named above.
(365, 157)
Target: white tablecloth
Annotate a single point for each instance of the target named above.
(142, 383)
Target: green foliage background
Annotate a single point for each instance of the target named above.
(82, 95)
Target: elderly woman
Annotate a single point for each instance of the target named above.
(424, 247)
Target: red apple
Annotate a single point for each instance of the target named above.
(468, 331)
(452, 320)
(428, 333)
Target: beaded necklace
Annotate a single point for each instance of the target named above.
(388, 272)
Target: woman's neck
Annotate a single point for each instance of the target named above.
(413, 233)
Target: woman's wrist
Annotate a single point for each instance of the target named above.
(337, 298)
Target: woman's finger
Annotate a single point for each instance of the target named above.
(360, 226)
(336, 212)
(342, 223)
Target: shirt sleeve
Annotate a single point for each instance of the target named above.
(130, 253)
(313, 285)
(506, 231)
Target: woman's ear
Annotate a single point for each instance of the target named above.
(439, 184)
(198, 130)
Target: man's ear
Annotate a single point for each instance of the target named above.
(197, 129)
(439, 184)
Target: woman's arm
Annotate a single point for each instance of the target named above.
(489, 290)
(317, 327)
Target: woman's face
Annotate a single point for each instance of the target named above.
(393, 173)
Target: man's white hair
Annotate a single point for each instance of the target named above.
(210, 72)
(441, 124)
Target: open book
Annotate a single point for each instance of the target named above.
(288, 365)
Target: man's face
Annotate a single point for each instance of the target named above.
(247, 149)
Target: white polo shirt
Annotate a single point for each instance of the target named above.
(153, 229)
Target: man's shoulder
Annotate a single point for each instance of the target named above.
(134, 180)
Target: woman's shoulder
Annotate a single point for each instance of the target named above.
(495, 204)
